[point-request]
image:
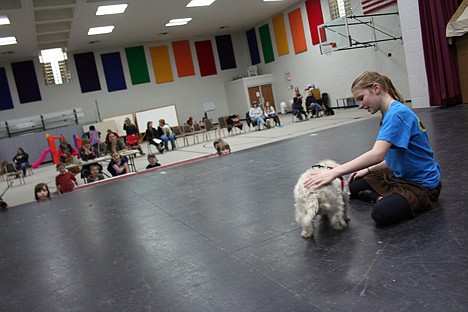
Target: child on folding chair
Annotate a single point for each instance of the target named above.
(95, 174)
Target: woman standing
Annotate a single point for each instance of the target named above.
(132, 135)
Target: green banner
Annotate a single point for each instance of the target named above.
(137, 64)
(267, 46)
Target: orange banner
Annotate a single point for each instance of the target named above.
(183, 58)
(297, 31)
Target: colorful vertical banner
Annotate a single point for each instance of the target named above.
(315, 17)
(5, 95)
(297, 31)
(26, 81)
(161, 64)
(279, 28)
(113, 71)
(87, 72)
(253, 46)
(267, 46)
(205, 58)
(183, 58)
(226, 55)
(136, 60)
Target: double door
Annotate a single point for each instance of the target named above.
(261, 94)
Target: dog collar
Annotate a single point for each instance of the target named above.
(329, 168)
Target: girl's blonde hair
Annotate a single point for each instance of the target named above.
(368, 78)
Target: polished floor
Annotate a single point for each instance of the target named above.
(220, 235)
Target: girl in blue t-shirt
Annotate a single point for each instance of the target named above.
(399, 173)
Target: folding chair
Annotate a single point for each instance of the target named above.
(188, 131)
(133, 142)
(198, 129)
(209, 127)
(13, 173)
(222, 124)
(178, 133)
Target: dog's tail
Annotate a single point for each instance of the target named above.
(311, 210)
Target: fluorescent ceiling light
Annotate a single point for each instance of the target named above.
(7, 40)
(198, 3)
(100, 30)
(4, 20)
(180, 20)
(111, 9)
(175, 24)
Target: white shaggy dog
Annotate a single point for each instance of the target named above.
(330, 200)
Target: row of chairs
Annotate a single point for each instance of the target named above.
(185, 131)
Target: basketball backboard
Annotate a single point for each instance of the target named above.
(334, 35)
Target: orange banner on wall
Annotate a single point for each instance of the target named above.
(183, 58)
(161, 64)
(297, 31)
(279, 28)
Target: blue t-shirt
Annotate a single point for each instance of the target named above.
(410, 157)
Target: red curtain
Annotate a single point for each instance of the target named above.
(440, 57)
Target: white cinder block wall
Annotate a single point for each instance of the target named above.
(411, 30)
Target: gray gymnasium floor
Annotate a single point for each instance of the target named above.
(220, 235)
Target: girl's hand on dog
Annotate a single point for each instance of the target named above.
(357, 175)
(320, 179)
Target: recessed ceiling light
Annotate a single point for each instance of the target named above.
(7, 40)
(4, 20)
(198, 3)
(100, 30)
(111, 9)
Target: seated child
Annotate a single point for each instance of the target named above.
(41, 192)
(153, 161)
(95, 174)
(64, 180)
(222, 147)
(118, 165)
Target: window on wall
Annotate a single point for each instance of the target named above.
(339, 8)
(55, 66)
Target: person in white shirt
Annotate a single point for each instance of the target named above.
(271, 113)
(256, 115)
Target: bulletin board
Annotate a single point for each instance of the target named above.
(168, 113)
(119, 122)
(102, 127)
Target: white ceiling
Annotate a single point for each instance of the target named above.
(43, 24)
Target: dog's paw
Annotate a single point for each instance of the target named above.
(339, 225)
(307, 233)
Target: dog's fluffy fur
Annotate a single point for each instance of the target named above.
(330, 200)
